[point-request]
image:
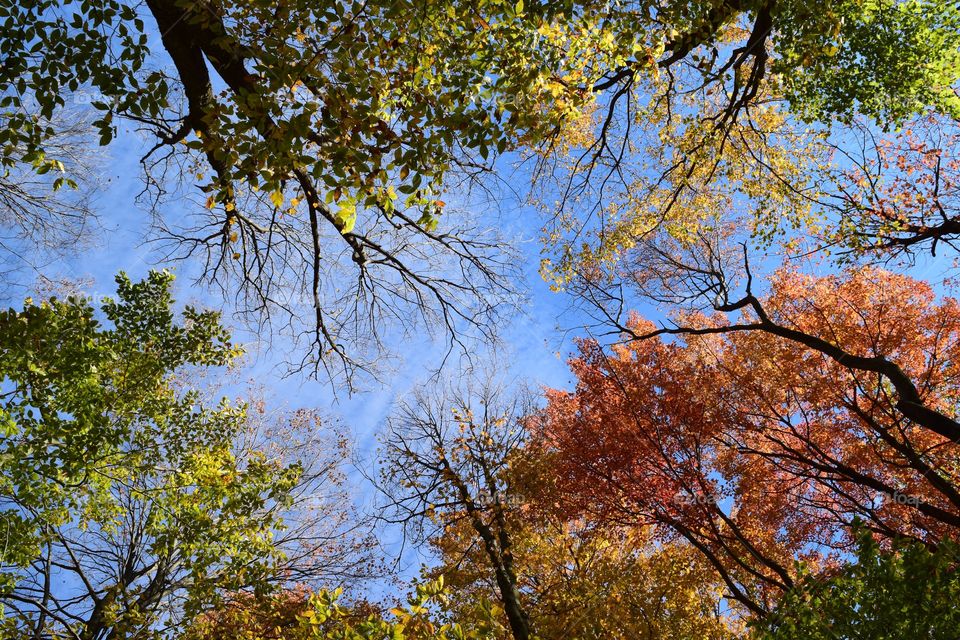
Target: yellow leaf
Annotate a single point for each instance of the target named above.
(346, 217)
(277, 198)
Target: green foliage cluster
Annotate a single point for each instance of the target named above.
(381, 99)
(50, 51)
(99, 437)
(370, 99)
(908, 592)
(886, 59)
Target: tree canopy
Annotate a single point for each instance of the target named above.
(324, 137)
(748, 207)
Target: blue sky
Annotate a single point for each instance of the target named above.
(537, 338)
(535, 343)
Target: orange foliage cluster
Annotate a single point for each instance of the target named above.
(758, 450)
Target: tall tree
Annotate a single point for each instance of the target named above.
(734, 112)
(460, 478)
(349, 115)
(582, 578)
(761, 441)
(129, 503)
(445, 462)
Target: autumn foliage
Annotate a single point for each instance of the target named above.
(583, 579)
(900, 195)
(772, 454)
(247, 616)
(758, 450)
